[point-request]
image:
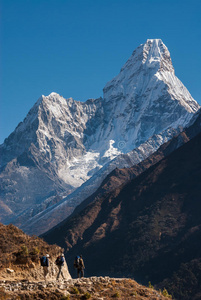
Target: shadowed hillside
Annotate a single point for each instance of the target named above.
(149, 228)
(21, 276)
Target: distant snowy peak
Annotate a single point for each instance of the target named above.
(143, 99)
(146, 60)
(146, 76)
(156, 55)
(51, 116)
(152, 54)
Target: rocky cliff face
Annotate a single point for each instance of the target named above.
(63, 143)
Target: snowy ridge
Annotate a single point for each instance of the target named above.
(66, 142)
(59, 211)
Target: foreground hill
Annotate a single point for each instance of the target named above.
(21, 275)
(20, 253)
(149, 228)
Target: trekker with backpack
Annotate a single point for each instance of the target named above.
(79, 265)
(44, 261)
(60, 263)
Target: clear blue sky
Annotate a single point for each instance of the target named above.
(74, 47)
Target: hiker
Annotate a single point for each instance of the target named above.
(79, 265)
(60, 263)
(44, 261)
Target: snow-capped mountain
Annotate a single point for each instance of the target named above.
(36, 221)
(62, 143)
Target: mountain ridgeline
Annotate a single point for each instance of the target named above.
(62, 151)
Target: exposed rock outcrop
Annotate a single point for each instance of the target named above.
(97, 288)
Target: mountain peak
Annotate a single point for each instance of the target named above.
(54, 94)
(155, 43)
(156, 55)
(52, 97)
(147, 75)
(151, 55)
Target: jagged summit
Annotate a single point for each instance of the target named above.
(151, 54)
(146, 76)
(157, 56)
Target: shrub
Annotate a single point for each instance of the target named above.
(86, 296)
(74, 290)
(34, 254)
(165, 293)
(22, 255)
(150, 285)
(35, 251)
(134, 293)
(24, 250)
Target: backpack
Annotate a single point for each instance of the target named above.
(77, 262)
(59, 261)
(43, 261)
(81, 263)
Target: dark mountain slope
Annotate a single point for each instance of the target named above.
(147, 228)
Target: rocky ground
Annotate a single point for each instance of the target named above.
(101, 288)
(21, 276)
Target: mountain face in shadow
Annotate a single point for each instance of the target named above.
(148, 228)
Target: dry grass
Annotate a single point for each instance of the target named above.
(17, 248)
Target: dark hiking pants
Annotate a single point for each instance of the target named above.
(60, 272)
(80, 273)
